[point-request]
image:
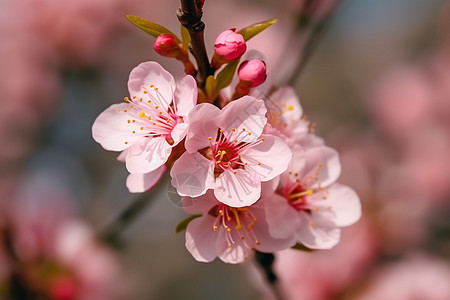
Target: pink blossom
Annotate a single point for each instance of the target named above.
(417, 277)
(285, 117)
(229, 233)
(253, 71)
(308, 206)
(227, 152)
(229, 45)
(166, 45)
(151, 122)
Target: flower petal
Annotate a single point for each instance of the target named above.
(317, 235)
(139, 183)
(147, 155)
(148, 74)
(202, 241)
(203, 124)
(284, 106)
(283, 220)
(246, 113)
(235, 254)
(267, 241)
(112, 130)
(201, 204)
(341, 206)
(179, 132)
(192, 174)
(325, 161)
(268, 158)
(237, 190)
(185, 96)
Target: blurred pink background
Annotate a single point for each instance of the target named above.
(377, 85)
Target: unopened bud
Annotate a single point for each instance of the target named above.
(252, 71)
(229, 45)
(166, 45)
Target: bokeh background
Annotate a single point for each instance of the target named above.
(377, 85)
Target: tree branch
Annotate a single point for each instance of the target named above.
(190, 16)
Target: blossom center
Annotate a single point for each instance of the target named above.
(240, 219)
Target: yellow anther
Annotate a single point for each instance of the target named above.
(209, 138)
(124, 110)
(131, 105)
(221, 130)
(233, 129)
(215, 228)
(168, 120)
(319, 165)
(243, 129)
(229, 245)
(134, 121)
(290, 107)
(156, 89)
(301, 194)
(142, 114)
(128, 121)
(126, 99)
(151, 85)
(156, 107)
(142, 128)
(140, 99)
(234, 172)
(263, 139)
(126, 143)
(134, 131)
(249, 133)
(145, 92)
(134, 97)
(160, 112)
(312, 223)
(259, 163)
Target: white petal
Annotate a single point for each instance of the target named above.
(185, 95)
(244, 113)
(237, 190)
(151, 73)
(316, 235)
(192, 174)
(147, 155)
(341, 206)
(203, 124)
(179, 132)
(269, 158)
(139, 183)
(112, 130)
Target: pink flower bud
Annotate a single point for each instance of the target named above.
(253, 71)
(167, 46)
(230, 45)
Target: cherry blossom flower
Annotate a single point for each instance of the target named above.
(285, 117)
(226, 151)
(308, 206)
(230, 233)
(151, 122)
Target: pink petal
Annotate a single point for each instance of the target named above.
(269, 187)
(112, 130)
(147, 155)
(330, 168)
(268, 242)
(244, 113)
(203, 124)
(235, 254)
(269, 158)
(316, 235)
(179, 132)
(201, 204)
(283, 220)
(202, 241)
(139, 183)
(185, 95)
(237, 190)
(285, 104)
(151, 73)
(192, 174)
(342, 205)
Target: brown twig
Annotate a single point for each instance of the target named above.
(190, 16)
(265, 261)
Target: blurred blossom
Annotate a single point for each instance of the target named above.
(323, 274)
(416, 277)
(76, 30)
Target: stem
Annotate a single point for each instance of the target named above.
(311, 39)
(111, 234)
(190, 16)
(265, 260)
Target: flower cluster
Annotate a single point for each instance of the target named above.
(252, 171)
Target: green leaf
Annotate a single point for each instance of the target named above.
(151, 28)
(225, 76)
(183, 224)
(302, 247)
(210, 87)
(185, 36)
(252, 30)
